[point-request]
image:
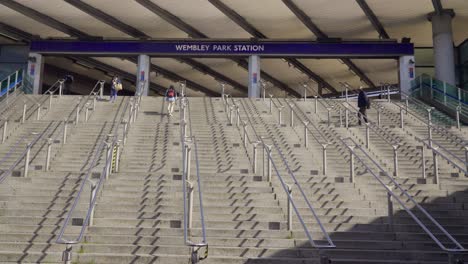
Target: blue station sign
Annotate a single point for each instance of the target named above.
(208, 48)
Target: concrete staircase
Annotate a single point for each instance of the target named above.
(139, 214)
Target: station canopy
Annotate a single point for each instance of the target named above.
(23, 20)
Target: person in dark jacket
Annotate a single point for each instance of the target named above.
(363, 105)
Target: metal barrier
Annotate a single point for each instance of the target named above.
(287, 188)
(107, 145)
(353, 148)
(187, 142)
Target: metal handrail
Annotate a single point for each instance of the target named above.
(285, 188)
(459, 248)
(184, 102)
(430, 144)
(97, 187)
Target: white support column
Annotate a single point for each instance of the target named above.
(35, 71)
(442, 37)
(254, 76)
(143, 74)
(406, 73)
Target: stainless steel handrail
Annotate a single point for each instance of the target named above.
(97, 187)
(449, 158)
(184, 102)
(285, 188)
(353, 148)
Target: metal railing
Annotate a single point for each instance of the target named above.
(112, 147)
(353, 147)
(188, 140)
(271, 164)
(11, 82)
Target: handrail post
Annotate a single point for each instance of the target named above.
(50, 101)
(23, 119)
(271, 101)
(117, 158)
(395, 160)
(423, 159)
(237, 116)
(109, 155)
(445, 93)
(291, 113)
(38, 111)
(231, 115)
(401, 118)
(65, 131)
(130, 113)
(101, 89)
(8, 87)
(341, 117)
(269, 163)
(406, 105)
(459, 96)
(316, 102)
(346, 118)
(94, 102)
(378, 115)
(346, 94)
(86, 112)
(26, 160)
(190, 204)
(67, 255)
(351, 163)
(91, 198)
(289, 208)
(49, 150)
(324, 159)
(329, 116)
(244, 124)
(125, 131)
(188, 151)
(429, 125)
(367, 135)
(255, 156)
(5, 128)
(61, 81)
(458, 118)
(306, 134)
(77, 117)
(305, 93)
(390, 210)
(436, 165)
(466, 157)
(388, 93)
(279, 115)
(135, 111)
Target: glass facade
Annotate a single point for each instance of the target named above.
(463, 64)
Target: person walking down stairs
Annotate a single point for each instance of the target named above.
(171, 97)
(116, 86)
(363, 105)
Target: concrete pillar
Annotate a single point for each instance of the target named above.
(35, 71)
(442, 37)
(254, 76)
(143, 74)
(406, 73)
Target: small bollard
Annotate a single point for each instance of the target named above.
(291, 115)
(306, 134)
(91, 198)
(255, 156)
(401, 117)
(289, 208)
(38, 112)
(5, 128)
(395, 160)
(49, 150)
(390, 210)
(436, 165)
(190, 204)
(65, 131)
(316, 104)
(67, 255)
(324, 159)
(351, 163)
(26, 160)
(23, 119)
(367, 135)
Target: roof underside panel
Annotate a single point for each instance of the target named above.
(212, 23)
(333, 71)
(274, 20)
(283, 72)
(72, 16)
(338, 18)
(460, 22)
(380, 71)
(135, 15)
(403, 18)
(18, 20)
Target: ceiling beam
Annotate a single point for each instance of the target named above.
(373, 19)
(107, 19)
(305, 19)
(439, 9)
(113, 70)
(15, 34)
(44, 19)
(242, 22)
(175, 78)
(171, 19)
